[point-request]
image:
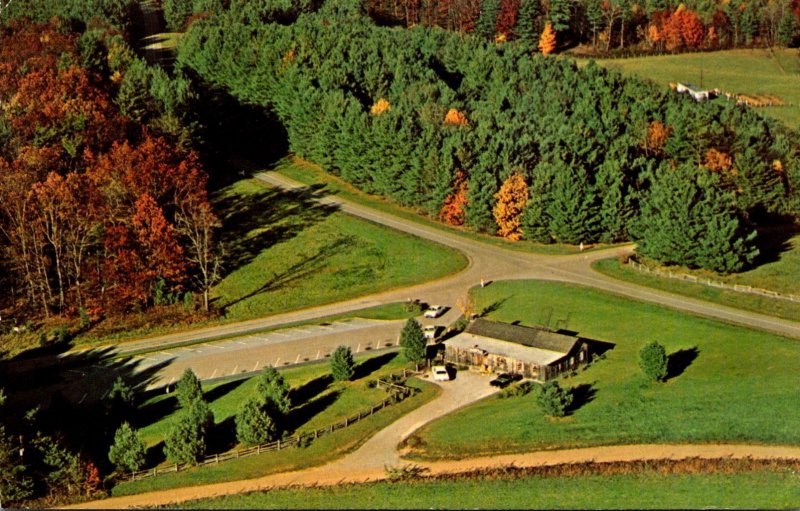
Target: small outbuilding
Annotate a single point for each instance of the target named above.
(534, 352)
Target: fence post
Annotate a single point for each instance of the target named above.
(133, 475)
(345, 422)
(316, 434)
(216, 458)
(155, 471)
(176, 467)
(279, 444)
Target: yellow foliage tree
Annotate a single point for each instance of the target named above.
(380, 106)
(511, 200)
(455, 118)
(547, 41)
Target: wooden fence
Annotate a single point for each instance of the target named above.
(712, 283)
(393, 383)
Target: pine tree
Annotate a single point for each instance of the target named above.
(488, 19)
(127, 451)
(254, 425)
(413, 343)
(527, 23)
(554, 400)
(186, 441)
(342, 364)
(547, 41)
(273, 391)
(188, 389)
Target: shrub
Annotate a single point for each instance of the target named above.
(554, 400)
(254, 425)
(653, 361)
(413, 342)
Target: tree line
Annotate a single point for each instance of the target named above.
(103, 203)
(493, 138)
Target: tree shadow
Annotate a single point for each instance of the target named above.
(493, 307)
(69, 392)
(596, 348)
(222, 389)
(581, 395)
(372, 364)
(301, 415)
(310, 389)
(773, 240)
(222, 437)
(155, 455)
(680, 360)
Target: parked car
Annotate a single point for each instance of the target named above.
(440, 373)
(434, 311)
(503, 380)
(430, 331)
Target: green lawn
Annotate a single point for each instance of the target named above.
(731, 385)
(289, 253)
(751, 71)
(312, 175)
(322, 403)
(774, 307)
(649, 490)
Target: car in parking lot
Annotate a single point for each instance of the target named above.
(503, 380)
(430, 331)
(434, 311)
(440, 373)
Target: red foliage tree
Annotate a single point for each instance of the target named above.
(452, 211)
(507, 18)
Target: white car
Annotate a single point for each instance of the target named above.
(434, 311)
(440, 373)
(430, 331)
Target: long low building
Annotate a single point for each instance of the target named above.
(534, 352)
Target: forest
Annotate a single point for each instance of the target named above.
(502, 140)
(104, 205)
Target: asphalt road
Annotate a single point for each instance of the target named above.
(244, 350)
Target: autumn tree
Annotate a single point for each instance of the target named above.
(547, 41)
(656, 137)
(507, 18)
(511, 200)
(452, 211)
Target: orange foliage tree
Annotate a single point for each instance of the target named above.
(547, 41)
(657, 135)
(455, 118)
(511, 200)
(380, 106)
(717, 161)
(452, 211)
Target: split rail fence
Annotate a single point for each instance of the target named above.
(712, 283)
(393, 383)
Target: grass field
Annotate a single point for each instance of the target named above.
(750, 71)
(312, 175)
(289, 253)
(650, 490)
(727, 384)
(319, 402)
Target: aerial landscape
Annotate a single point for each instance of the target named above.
(400, 254)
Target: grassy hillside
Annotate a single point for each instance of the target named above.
(726, 384)
(737, 71)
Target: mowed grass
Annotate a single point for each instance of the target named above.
(318, 403)
(289, 253)
(728, 384)
(743, 71)
(313, 175)
(650, 490)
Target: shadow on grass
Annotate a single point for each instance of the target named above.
(493, 307)
(221, 390)
(301, 415)
(310, 389)
(155, 455)
(678, 362)
(222, 437)
(774, 240)
(156, 411)
(581, 395)
(69, 393)
(371, 365)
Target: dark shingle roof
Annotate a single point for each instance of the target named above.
(535, 337)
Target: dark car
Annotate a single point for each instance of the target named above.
(505, 379)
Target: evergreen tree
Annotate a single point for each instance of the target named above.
(186, 441)
(554, 400)
(488, 19)
(15, 484)
(788, 29)
(559, 14)
(413, 342)
(687, 220)
(120, 401)
(653, 361)
(342, 364)
(188, 389)
(254, 425)
(527, 23)
(273, 391)
(127, 451)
